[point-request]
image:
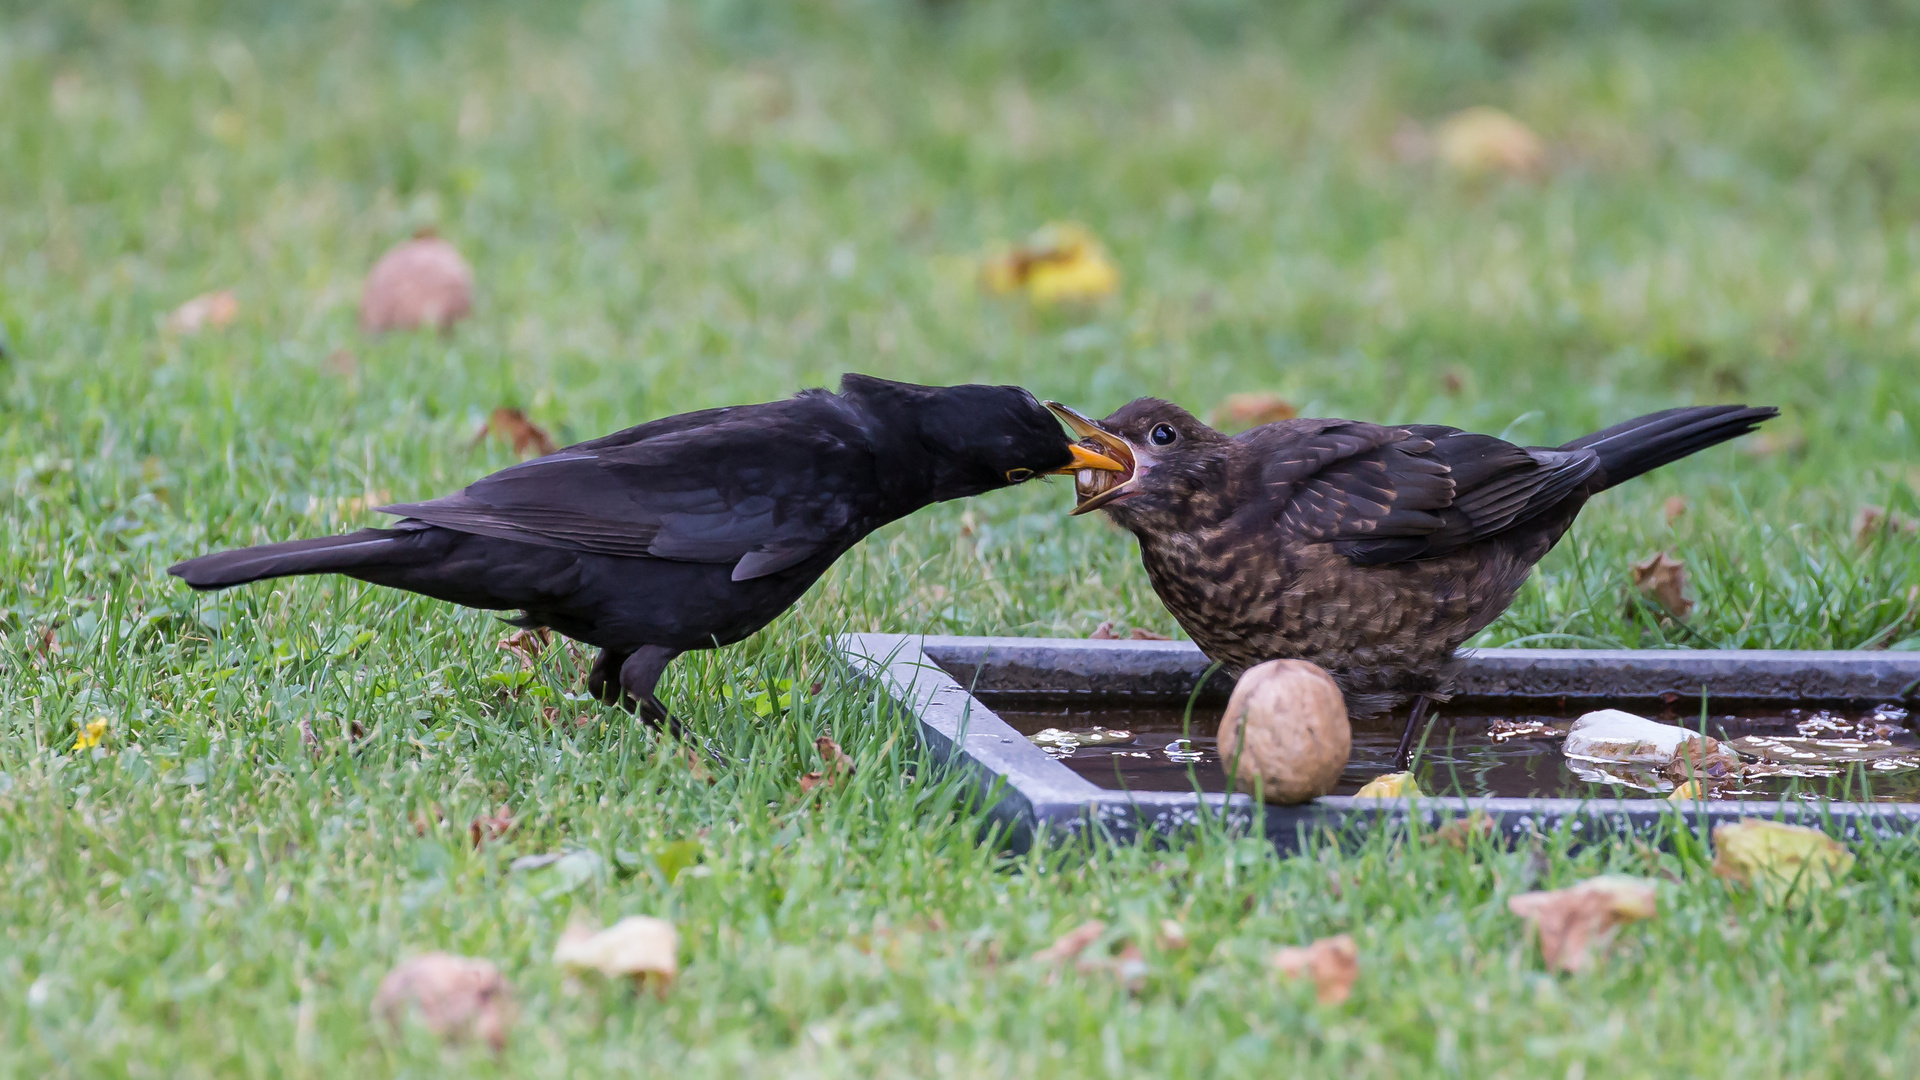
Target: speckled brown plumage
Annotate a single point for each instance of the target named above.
(1371, 551)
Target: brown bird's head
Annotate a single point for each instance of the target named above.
(1168, 456)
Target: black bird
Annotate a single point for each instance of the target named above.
(1373, 551)
(689, 532)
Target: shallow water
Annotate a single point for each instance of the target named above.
(1476, 748)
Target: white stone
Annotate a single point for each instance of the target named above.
(1612, 735)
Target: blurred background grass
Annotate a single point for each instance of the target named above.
(675, 206)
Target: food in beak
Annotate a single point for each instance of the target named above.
(1097, 487)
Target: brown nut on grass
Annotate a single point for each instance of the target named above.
(421, 283)
(1285, 732)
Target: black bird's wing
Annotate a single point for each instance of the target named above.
(1392, 494)
(761, 487)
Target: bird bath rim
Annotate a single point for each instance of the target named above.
(1031, 792)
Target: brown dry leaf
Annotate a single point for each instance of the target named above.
(638, 947)
(425, 821)
(513, 426)
(1780, 862)
(838, 765)
(1070, 945)
(697, 767)
(341, 363)
(1103, 632)
(527, 644)
(1663, 579)
(420, 283)
(214, 310)
(1485, 140)
(1674, 508)
(1062, 262)
(490, 826)
(1575, 923)
(1252, 410)
(1459, 833)
(1334, 964)
(1141, 633)
(1872, 522)
(455, 997)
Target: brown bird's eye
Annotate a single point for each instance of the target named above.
(1162, 435)
(1015, 476)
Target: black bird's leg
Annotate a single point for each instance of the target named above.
(603, 682)
(1416, 723)
(639, 674)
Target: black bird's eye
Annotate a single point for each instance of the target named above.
(1015, 476)
(1162, 435)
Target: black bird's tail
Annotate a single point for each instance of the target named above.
(321, 555)
(1642, 445)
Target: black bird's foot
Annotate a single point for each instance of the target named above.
(1416, 724)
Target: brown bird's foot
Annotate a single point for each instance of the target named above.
(1416, 724)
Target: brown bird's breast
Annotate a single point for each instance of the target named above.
(1384, 632)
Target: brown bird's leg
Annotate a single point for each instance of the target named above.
(1416, 723)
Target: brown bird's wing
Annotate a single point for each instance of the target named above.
(762, 487)
(1386, 494)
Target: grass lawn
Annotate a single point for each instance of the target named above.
(672, 207)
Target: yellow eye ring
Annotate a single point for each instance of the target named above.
(1015, 476)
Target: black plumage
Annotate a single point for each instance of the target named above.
(1373, 551)
(689, 532)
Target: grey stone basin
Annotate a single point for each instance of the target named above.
(942, 681)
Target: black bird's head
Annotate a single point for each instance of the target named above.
(1169, 459)
(971, 439)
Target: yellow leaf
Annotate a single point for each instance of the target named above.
(1063, 262)
(90, 735)
(1398, 785)
(1484, 140)
(637, 946)
(1782, 863)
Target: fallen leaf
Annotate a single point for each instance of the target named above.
(1483, 139)
(214, 310)
(422, 282)
(1460, 833)
(1172, 936)
(1062, 262)
(1780, 862)
(677, 856)
(1103, 632)
(1070, 945)
(513, 426)
(1690, 791)
(1128, 966)
(1874, 522)
(341, 363)
(527, 644)
(554, 874)
(490, 826)
(91, 734)
(838, 765)
(697, 768)
(1333, 963)
(1662, 579)
(639, 947)
(1674, 508)
(1251, 410)
(424, 821)
(1575, 923)
(455, 997)
(1140, 633)
(1398, 785)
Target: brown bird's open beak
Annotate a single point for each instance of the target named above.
(1094, 484)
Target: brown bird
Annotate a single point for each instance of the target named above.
(1373, 551)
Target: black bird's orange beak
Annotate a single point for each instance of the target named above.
(1092, 483)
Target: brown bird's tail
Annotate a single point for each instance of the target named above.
(321, 555)
(1642, 445)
